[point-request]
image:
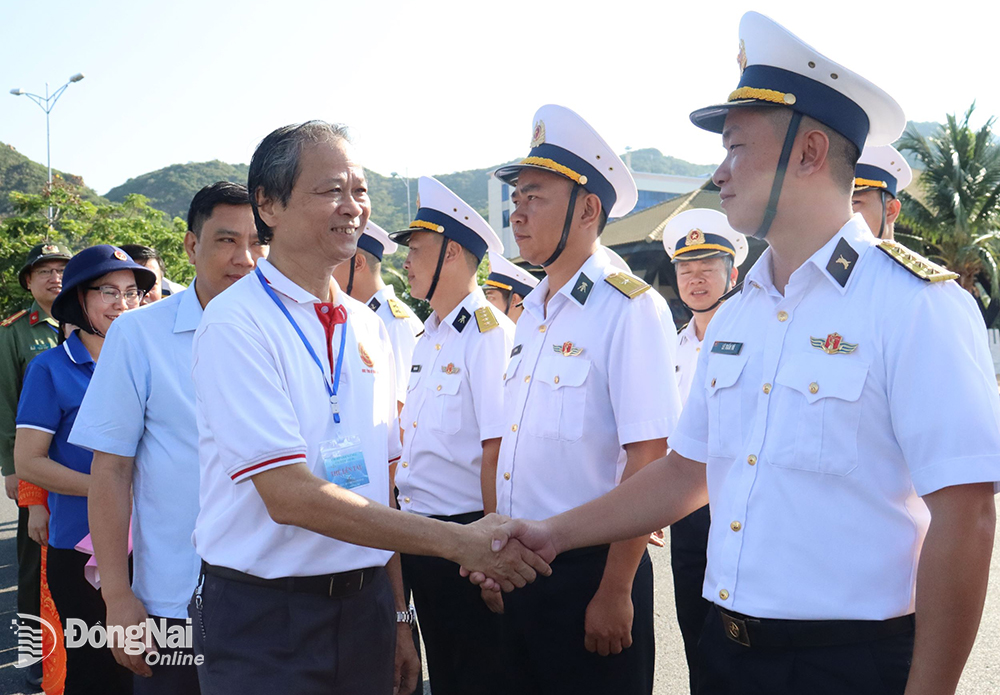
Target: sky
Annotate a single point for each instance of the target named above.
(438, 86)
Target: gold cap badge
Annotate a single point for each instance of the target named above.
(538, 134)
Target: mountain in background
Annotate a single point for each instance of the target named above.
(171, 189)
(18, 173)
(924, 128)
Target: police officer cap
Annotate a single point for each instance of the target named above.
(443, 212)
(507, 276)
(564, 143)
(882, 168)
(40, 254)
(700, 233)
(779, 69)
(375, 241)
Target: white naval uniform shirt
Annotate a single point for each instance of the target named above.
(815, 460)
(402, 334)
(592, 374)
(454, 405)
(688, 348)
(261, 404)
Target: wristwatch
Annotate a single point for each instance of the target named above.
(408, 616)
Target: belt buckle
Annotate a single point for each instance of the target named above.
(735, 629)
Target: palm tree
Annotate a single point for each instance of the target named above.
(955, 217)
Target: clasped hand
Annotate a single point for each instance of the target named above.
(495, 559)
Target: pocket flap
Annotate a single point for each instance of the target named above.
(823, 376)
(723, 371)
(559, 371)
(512, 368)
(446, 384)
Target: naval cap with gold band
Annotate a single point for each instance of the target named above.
(697, 234)
(565, 144)
(778, 69)
(505, 275)
(376, 241)
(882, 168)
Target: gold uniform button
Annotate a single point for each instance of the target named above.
(405, 464)
(438, 346)
(697, 349)
(506, 476)
(782, 315)
(767, 388)
(439, 387)
(541, 329)
(556, 380)
(513, 428)
(722, 594)
(414, 424)
(814, 387)
(736, 526)
(713, 382)
(527, 378)
(752, 460)
(406, 499)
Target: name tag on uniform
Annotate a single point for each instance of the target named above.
(344, 462)
(722, 347)
(414, 369)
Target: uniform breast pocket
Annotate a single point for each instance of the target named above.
(558, 398)
(815, 420)
(444, 403)
(725, 404)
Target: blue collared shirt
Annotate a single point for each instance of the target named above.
(141, 404)
(54, 385)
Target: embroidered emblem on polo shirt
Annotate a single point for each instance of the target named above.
(365, 357)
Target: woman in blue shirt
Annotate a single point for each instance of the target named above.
(99, 283)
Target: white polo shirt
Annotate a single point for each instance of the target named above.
(262, 404)
(140, 403)
(821, 415)
(688, 349)
(454, 405)
(592, 374)
(403, 327)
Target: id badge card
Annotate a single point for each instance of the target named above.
(344, 461)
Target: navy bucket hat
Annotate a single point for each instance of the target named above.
(90, 264)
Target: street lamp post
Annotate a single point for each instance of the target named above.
(406, 181)
(46, 104)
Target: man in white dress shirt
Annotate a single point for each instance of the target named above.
(848, 379)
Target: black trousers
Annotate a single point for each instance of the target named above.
(461, 635)
(688, 556)
(29, 568)
(875, 667)
(174, 673)
(543, 632)
(264, 641)
(88, 669)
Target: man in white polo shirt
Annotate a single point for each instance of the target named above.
(138, 419)
(297, 422)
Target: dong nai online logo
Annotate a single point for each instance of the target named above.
(161, 642)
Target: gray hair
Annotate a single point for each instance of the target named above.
(275, 164)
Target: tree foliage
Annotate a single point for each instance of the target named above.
(80, 223)
(954, 218)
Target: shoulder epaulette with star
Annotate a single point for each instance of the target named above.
(630, 286)
(398, 309)
(14, 317)
(926, 270)
(485, 319)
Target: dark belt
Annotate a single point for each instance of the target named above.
(338, 585)
(769, 632)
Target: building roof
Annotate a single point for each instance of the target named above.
(647, 225)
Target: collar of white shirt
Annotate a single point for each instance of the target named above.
(280, 283)
(474, 300)
(189, 312)
(855, 232)
(383, 295)
(595, 269)
(687, 333)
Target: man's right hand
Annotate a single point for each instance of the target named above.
(10, 486)
(125, 611)
(507, 562)
(534, 536)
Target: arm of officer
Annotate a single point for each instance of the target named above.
(488, 474)
(10, 382)
(949, 602)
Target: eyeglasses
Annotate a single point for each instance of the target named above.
(112, 295)
(48, 272)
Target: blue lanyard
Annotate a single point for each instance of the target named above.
(330, 389)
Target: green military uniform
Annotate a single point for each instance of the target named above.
(23, 336)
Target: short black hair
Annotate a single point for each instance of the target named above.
(204, 202)
(843, 154)
(140, 254)
(274, 166)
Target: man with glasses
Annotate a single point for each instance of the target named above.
(24, 336)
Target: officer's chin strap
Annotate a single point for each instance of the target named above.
(350, 278)
(882, 222)
(437, 271)
(510, 298)
(561, 246)
(779, 176)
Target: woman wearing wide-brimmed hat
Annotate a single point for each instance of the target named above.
(99, 283)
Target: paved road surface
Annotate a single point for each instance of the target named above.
(982, 675)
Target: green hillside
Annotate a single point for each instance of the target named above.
(171, 189)
(18, 173)
(652, 161)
